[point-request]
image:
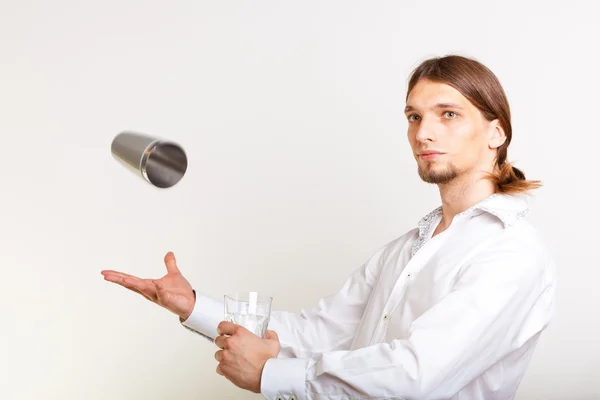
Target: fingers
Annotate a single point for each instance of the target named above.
(135, 290)
(118, 277)
(220, 356)
(221, 342)
(171, 263)
(126, 280)
(145, 287)
(227, 328)
(224, 370)
(271, 335)
(227, 371)
(142, 287)
(110, 275)
(160, 290)
(158, 285)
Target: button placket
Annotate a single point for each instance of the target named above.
(402, 280)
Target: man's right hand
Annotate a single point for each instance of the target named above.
(172, 291)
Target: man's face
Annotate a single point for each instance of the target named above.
(449, 136)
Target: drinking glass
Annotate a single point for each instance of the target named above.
(251, 310)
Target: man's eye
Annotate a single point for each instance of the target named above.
(450, 114)
(413, 118)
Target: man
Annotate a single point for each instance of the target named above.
(453, 309)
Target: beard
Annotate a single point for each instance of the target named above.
(438, 176)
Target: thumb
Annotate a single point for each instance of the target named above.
(171, 263)
(272, 335)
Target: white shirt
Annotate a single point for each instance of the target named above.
(456, 316)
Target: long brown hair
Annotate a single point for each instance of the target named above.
(481, 87)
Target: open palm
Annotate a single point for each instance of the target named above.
(172, 291)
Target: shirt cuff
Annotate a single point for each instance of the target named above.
(284, 379)
(205, 317)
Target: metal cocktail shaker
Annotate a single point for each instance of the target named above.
(160, 162)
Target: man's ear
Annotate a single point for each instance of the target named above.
(497, 135)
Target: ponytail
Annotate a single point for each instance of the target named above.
(511, 180)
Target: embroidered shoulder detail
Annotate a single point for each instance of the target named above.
(507, 209)
(424, 227)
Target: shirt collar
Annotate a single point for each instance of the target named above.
(507, 208)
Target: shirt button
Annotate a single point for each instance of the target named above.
(386, 317)
(292, 397)
(279, 398)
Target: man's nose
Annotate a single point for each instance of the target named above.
(426, 131)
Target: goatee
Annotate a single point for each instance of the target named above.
(438, 177)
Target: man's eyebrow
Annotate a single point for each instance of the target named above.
(438, 105)
(448, 105)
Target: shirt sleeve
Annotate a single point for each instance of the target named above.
(333, 323)
(329, 326)
(205, 317)
(500, 300)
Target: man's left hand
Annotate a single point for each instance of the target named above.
(243, 354)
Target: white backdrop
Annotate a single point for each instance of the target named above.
(299, 169)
